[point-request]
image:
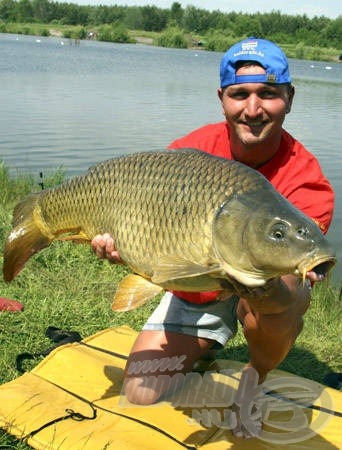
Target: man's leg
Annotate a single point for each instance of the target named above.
(155, 358)
(271, 326)
(271, 336)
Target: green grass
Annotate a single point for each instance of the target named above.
(66, 286)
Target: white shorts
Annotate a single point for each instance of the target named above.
(215, 320)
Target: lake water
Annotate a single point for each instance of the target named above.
(75, 105)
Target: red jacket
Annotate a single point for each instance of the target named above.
(293, 171)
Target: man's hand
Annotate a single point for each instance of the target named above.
(270, 288)
(103, 247)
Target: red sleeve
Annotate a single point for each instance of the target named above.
(314, 197)
(212, 138)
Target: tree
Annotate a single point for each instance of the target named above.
(133, 18)
(8, 10)
(41, 10)
(176, 14)
(24, 11)
(332, 34)
(197, 20)
(153, 18)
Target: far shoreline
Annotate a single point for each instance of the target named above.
(190, 41)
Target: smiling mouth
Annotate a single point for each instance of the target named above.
(255, 124)
(255, 127)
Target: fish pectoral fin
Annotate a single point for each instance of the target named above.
(134, 291)
(174, 267)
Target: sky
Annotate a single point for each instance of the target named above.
(327, 8)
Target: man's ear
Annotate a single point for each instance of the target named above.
(291, 94)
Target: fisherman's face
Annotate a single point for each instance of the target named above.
(255, 112)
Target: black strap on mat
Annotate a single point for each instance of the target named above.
(70, 414)
(58, 336)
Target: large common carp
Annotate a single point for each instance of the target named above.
(181, 220)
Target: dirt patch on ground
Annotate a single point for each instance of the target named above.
(54, 32)
(143, 40)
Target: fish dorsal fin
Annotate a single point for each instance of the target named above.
(175, 267)
(134, 291)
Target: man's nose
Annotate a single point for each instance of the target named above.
(253, 106)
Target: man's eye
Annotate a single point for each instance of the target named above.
(268, 94)
(239, 95)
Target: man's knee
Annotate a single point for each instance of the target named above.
(137, 391)
(147, 390)
(278, 324)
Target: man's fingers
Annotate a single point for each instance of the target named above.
(103, 247)
(313, 276)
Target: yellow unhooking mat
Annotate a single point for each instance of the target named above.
(72, 400)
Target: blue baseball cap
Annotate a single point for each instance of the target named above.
(266, 53)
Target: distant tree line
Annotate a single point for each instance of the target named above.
(217, 28)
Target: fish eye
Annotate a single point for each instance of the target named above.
(278, 231)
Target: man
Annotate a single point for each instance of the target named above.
(255, 94)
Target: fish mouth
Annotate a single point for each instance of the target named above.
(321, 266)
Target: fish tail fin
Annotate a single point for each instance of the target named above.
(26, 237)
